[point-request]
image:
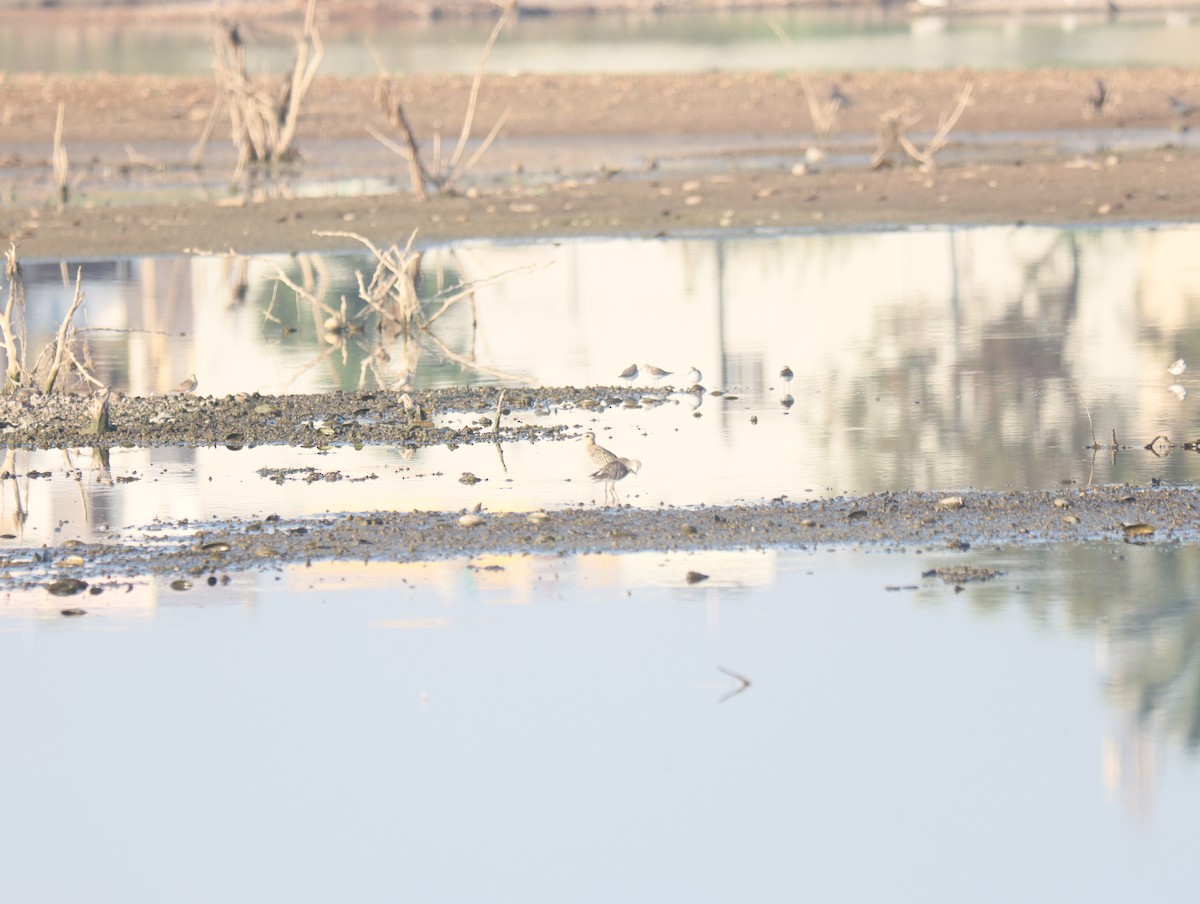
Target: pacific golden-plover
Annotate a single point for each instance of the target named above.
(597, 455)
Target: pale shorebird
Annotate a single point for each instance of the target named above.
(597, 455)
(630, 373)
(786, 373)
(186, 386)
(694, 376)
(1178, 369)
(617, 469)
(657, 372)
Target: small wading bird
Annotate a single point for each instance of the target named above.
(786, 373)
(657, 372)
(186, 386)
(694, 376)
(1099, 99)
(615, 470)
(630, 373)
(1178, 369)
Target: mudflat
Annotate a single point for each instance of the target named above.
(598, 154)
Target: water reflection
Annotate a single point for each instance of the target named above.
(837, 40)
(471, 699)
(928, 358)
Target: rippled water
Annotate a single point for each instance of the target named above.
(834, 40)
(350, 732)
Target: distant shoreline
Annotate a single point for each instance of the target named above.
(14, 12)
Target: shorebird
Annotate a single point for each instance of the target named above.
(1181, 108)
(1178, 368)
(597, 455)
(617, 469)
(629, 373)
(786, 373)
(838, 100)
(694, 376)
(657, 372)
(186, 386)
(1100, 98)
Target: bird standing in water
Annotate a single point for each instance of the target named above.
(597, 455)
(617, 469)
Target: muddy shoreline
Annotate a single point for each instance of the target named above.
(648, 155)
(916, 521)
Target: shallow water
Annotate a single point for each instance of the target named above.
(924, 359)
(838, 40)
(346, 731)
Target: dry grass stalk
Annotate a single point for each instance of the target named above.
(894, 126)
(263, 122)
(440, 177)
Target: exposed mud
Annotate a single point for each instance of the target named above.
(912, 521)
(34, 421)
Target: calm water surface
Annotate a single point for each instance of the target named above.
(939, 358)
(555, 729)
(834, 40)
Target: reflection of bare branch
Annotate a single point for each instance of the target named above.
(471, 365)
(468, 289)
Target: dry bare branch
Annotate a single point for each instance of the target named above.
(438, 176)
(12, 322)
(60, 342)
(824, 115)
